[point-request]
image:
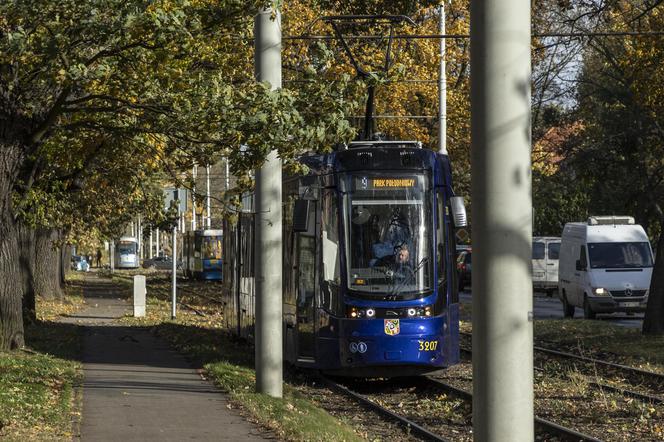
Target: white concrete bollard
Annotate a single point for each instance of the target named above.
(139, 296)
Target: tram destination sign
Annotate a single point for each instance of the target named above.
(385, 182)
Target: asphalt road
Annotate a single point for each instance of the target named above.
(551, 308)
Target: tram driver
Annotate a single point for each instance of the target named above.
(394, 249)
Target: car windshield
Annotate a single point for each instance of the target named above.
(388, 229)
(619, 255)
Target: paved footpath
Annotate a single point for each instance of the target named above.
(136, 388)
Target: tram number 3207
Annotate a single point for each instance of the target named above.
(428, 345)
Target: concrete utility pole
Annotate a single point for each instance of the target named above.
(208, 220)
(502, 220)
(442, 86)
(150, 255)
(269, 346)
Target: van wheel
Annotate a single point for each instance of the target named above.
(568, 310)
(588, 312)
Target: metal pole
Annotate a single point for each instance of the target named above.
(207, 196)
(442, 87)
(228, 177)
(158, 243)
(502, 221)
(150, 255)
(112, 256)
(174, 270)
(268, 251)
(140, 237)
(193, 199)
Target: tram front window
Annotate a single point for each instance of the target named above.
(388, 226)
(212, 248)
(127, 248)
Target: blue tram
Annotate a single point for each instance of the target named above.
(202, 254)
(368, 247)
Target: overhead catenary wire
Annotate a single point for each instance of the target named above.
(467, 36)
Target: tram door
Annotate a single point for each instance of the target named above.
(306, 286)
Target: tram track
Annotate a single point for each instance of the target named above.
(544, 427)
(407, 424)
(638, 376)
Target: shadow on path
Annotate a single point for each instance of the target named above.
(136, 387)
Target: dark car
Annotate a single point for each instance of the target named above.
(464, 267)
(159, 262)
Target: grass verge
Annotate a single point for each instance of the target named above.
(37, 384)
(37, 399)
(229, 364)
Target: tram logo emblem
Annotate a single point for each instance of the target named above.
(392, 327)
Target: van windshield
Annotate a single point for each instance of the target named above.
(619, 255)
(538, 250)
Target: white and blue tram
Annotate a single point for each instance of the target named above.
(126, 253)
(368, 249)
(202, 254)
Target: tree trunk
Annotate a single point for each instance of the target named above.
(11, 281)
(653, 323)
(47, 264)
(26, 247)
(65, 263)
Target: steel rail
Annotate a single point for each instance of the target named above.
(544, 425)
(635, 394)
(628, 368)
(410, 426)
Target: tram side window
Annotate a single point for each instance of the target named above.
(331, 271)
(288, 245)
(441, 255)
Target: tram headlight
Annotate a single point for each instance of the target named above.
(424, 311)
(359, 313)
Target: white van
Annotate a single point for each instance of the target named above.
(605, 266)
(546, 250)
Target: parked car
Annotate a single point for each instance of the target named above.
(546, 250)
(80, 264)
(464, 267)
(605, 266)
(160, 262)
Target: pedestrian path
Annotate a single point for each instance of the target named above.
(136, 388)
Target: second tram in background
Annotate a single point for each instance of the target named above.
(202, 254)
(126, 253)
(369, 284)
